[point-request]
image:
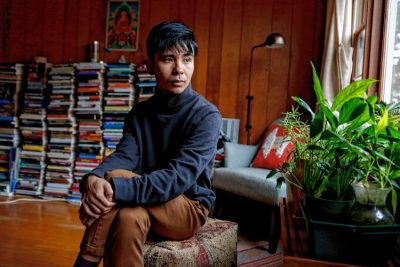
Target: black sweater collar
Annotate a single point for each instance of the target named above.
(170, 102)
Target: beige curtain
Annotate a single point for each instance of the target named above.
(338, 52)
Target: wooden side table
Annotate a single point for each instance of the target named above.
(294, 242)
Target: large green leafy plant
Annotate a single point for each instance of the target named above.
(353, 139)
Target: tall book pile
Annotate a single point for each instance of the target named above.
(118, 100)
(145, 83)
(11, 77)
(62, 131)
(33, 126)
(88, 112)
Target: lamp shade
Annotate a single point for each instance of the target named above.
(274, 40)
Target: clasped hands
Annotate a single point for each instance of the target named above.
(97, 199)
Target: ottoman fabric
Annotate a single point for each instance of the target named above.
(213, 245)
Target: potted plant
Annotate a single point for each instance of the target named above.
(379, 167)
(353, 139)
(350, 143)
(320, 169)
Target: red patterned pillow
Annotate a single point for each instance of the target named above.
(274, 151)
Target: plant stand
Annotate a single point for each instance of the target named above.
(348, 243)
(294, 241)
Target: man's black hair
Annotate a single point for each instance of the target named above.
(167, 35)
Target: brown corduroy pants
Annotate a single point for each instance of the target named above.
(120, 234)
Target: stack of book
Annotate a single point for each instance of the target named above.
(33, 126)
(11, 77)
(118, 100)
(62, 131)
(88, 112)
(145, 83)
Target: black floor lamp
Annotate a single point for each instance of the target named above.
(274, 40)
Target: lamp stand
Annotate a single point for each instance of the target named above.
(274, 40)
(250, 98)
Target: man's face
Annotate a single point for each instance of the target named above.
(173, 69)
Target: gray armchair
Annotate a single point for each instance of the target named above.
(238, 178)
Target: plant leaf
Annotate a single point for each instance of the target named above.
(379, 155)
(395, 151)
(383, 122)
(329, 135)
(317, 86)
(369, 132)
(372, 99)
(355, 148)
(359, 116)
(395, 175)
(272, 173)
(333, 121)
(355, 89)
(304, 105)
(317, 124)
(352, 109)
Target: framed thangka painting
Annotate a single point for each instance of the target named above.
(122, 25)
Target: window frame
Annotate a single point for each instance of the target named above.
(388, 49)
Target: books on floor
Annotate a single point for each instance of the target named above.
(61, 131)
(145, 83)
(89, 82)
(118, 100)
(11, 80)
(58, 122)
(33, 127)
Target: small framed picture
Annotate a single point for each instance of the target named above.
(358, 57)
(122, 25)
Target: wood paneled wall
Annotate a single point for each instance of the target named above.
(225, 30)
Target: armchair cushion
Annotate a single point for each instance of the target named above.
(249, 182)
(238, 155)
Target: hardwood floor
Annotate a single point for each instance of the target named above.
(37, 233)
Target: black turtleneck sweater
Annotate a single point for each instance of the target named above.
(171, 141)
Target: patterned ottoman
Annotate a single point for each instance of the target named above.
(213, 245)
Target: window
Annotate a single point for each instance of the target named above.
(391, 68)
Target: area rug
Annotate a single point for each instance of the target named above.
(254, 253)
